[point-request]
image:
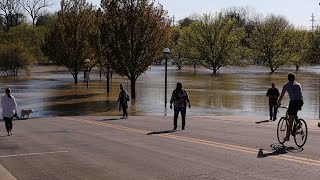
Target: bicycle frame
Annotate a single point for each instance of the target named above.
(299, 128)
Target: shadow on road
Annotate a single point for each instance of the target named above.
(111, 119)
(162, 132)
(264, 121)
(278, 149)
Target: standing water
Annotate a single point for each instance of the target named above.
(50, 91)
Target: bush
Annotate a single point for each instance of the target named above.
(13, 58)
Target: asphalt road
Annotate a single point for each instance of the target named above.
(143, 147)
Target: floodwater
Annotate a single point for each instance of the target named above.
(50, 91)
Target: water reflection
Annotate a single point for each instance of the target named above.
(235, 91)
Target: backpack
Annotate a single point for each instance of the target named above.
(128, 97)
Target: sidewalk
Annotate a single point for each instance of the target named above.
(5, 174)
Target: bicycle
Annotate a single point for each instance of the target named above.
(299, 129)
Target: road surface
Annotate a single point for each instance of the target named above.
(143, 147)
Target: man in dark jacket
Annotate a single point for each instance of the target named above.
(179, 99)
(273, 94)
(123, 102)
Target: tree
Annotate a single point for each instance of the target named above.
(186, 22)
(214, 41)
(138, 32)
(176, 54)
(69, 40)
(35, 8)
(10, 14)
(298, 47)
(312, 54)
(13, 58)
(28, 36)
(46, 19)
(270, 42)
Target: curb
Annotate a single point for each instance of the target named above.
(5, 174)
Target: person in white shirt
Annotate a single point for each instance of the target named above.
(9, 109)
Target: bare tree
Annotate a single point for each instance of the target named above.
(10, 13)
(35, 8)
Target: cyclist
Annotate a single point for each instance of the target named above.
(296, 101)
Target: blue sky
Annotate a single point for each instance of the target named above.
(297, 11)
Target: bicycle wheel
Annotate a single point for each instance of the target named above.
(300, 132)
(282, 129)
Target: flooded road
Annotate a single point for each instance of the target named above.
(234, 91)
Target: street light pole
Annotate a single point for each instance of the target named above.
(166, 52)
(165, 82)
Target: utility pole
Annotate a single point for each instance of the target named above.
(312, 22)
(173, 18)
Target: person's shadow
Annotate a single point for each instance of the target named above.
(111, 119)
(264, 121)
(162, 132)
(278, 149)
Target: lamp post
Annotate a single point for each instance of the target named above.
(166, 52)
(86, 74)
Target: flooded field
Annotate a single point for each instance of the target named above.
(50, 91)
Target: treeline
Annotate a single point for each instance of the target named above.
(121, 36)
(126, 37)
(237, 36)
(20, 41)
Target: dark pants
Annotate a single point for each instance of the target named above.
(176, 114)
(294, 107)
(124, 110)
(273, 111)
(8, 122)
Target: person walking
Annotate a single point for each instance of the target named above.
(273, 94)
(9, 109)
(179, 99)
(296, 101)
(123, 101)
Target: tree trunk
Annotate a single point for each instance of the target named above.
(108, 79)
(75, 77)
(271, 69)
(101, 71)
(297, 68)
(133, 88)
(214, 70)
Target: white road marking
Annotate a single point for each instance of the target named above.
(31, 154)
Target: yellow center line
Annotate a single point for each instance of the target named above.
(203, 142)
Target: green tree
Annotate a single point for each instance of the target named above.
(13, 58)
(176, 53)
(69, 41)
(30, 37)
(186, 22)
(213, 40)
(312, 54)
(138, 32)
(270, 42)
(298, 47)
